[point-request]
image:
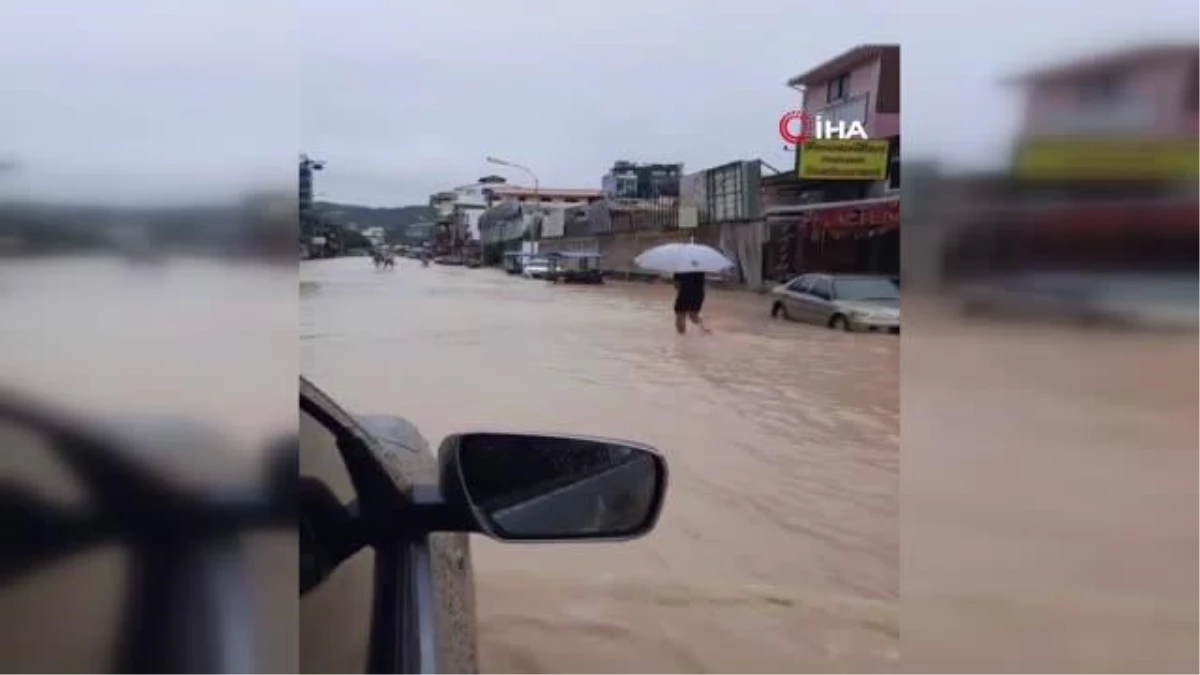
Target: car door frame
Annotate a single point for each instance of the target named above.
(403, 634)
(793, 298)
(821, 309)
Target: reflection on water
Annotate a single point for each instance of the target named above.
(778, 545)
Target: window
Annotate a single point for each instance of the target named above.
(822, 288)
(838, 88)
(868, 288)
(799, 284)
(1101, 88)
(349, 591)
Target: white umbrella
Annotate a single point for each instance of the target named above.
(676, 258)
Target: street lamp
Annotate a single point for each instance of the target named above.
(502, 162)
(537, 199)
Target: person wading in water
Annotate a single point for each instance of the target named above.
(689, 298)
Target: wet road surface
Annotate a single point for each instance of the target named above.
(1049, 498)
(778, 546)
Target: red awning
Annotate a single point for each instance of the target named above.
(1149, 218)
(884, 216)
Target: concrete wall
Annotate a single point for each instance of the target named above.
(619, 249)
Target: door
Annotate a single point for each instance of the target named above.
(380, 608)
(793, 299)
(335, 616)
(820, 300)
(808, 306)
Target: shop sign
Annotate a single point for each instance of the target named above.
(1107, 159)
(842, 160)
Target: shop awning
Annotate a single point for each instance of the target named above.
(864, 217)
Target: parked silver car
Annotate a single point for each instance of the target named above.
(535, 268)
(1141, 301)
(852, 302)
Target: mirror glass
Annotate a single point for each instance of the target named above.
(550, 487)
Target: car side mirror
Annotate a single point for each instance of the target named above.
(525, 487)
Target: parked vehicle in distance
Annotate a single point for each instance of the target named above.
(535, 268)
(574, 267)
(850, 302)
(1162, 301)
(385, 559)
(473, 254)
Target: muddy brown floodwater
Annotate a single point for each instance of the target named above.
(778, 548)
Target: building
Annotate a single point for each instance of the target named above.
(456, 217)
(307, 167)
(628, 180)
(839, 211)
(1142, 101)
(544, 198)
(522, 214)
(1103, 172)
(418, 234)
(859, 85)
(466, 204)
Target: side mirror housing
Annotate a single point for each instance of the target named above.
(526, 487)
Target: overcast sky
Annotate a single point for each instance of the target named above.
(121, 100)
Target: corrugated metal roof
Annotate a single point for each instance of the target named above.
(519, 191)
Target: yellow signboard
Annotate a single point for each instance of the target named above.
(1107, 159)
(842, 160)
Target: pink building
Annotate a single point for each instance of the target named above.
(1142, 92)
(861, 84)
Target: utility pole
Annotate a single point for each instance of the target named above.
(309, 221)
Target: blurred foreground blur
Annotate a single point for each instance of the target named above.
(1049, 389)
(147, 337)
(173, 375)
(147, 376)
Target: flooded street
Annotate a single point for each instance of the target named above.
(778, 548)
(1049, 498)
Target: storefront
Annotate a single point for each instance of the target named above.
(1125, 235)
(848, 237)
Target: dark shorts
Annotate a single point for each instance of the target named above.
(689, 303)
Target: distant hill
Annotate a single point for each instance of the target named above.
(395, 219)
